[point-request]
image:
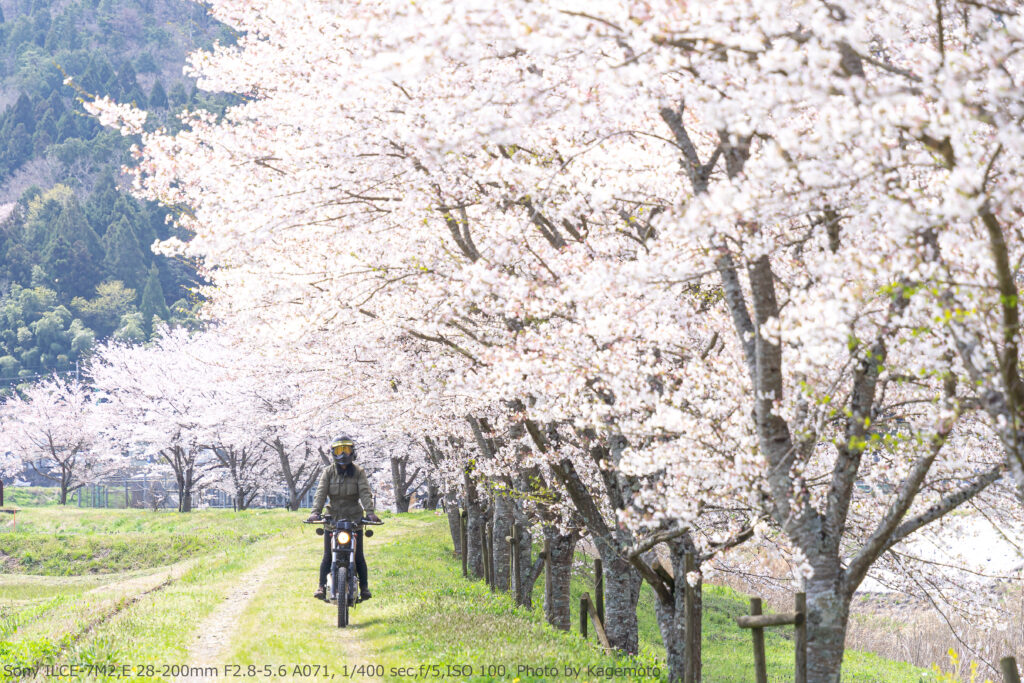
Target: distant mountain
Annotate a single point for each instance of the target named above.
(75, 263)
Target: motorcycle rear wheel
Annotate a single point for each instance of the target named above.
(342, 583)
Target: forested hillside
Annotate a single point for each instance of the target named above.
(75, 258)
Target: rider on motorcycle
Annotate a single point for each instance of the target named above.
(348, 491)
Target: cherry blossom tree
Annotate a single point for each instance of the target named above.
(167, 402)
(700, 270)
(54, 427)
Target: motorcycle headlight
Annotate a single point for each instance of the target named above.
(342, 537)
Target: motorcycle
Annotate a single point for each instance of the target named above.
(342, 588)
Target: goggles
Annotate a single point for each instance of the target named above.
(343, 448)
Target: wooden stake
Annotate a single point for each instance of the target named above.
(1008, 665)
(547, 575)
(598, 626)
(599, 588)
(462, 543)
(760, 665)
(583, 615)
(800, 638)
(513, 563)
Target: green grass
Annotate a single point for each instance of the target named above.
(158, 630)
(424, 613)
(66, 541)
(424, 617)
(30, 496)
(727, 652)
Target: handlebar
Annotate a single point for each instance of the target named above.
(324, 520)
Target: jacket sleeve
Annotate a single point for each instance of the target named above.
(321, 492)
(365, 493)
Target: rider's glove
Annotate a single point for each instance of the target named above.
(315, 517)
(373, 517)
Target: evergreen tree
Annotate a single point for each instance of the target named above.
(145, 64)
(21, 33)
(123, 259)
(135, 213)
(158, 96)
(178, 95)
(55, 103)
(46, 133)
(23, 114)
(67, 127)
(69, 265)
(73, 255)
(153, 303)
(19, 148)
(99, 208)
(137, 97)
(126, 77)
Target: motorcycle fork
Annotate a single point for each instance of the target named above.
(338, 559)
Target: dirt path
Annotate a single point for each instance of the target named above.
(356, 655)
(214, 633)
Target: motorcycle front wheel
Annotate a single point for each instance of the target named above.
(342, 584)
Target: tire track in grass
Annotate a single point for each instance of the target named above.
(147, 585)
(287, 629)
(214, 633)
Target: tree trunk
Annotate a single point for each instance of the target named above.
(433, 497)
(474, 530)
(621, 593)
(401, 483)
(240, 498)
(185, 491)
(828, 611)
(672, 617)
(65, 483)
(501, 558)
(294, 496)
(558, 601)
(524, 564)
(454, 521)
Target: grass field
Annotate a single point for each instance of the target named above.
(30, 496)
(143, 606)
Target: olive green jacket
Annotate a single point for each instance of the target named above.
(347, 496)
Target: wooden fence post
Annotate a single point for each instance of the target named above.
(1008, 665)
(513, 563)
(485, 540)
(598, 626)
(490, 553)
(484, 554)
(800, 638)
(547, 575)
(583, 615)
(462, 543)
(599, 588)
(757, 623)
(760, 666)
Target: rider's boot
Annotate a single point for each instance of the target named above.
(364, 593)
(321, 593)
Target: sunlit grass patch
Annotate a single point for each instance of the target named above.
(62, 541)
